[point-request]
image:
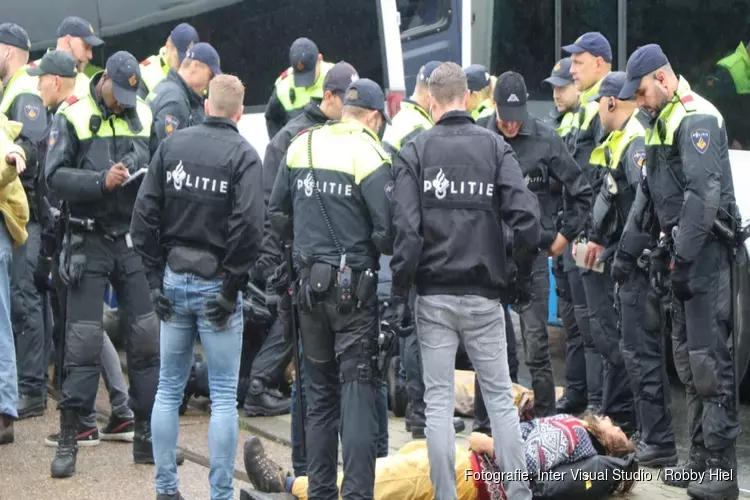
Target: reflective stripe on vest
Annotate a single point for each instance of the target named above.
(684, 103)
(79, 115)
(407, 120)
(738, 65)
(339, 147)
(616, 143)
(302, 95)
(485, 108)
(567, 123)
(20, 83)
(154, 72)
(588, 110)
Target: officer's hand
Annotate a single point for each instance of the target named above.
(679, 276)
(559, 245)
(622, 266)
(219, 309)
(41, 273)
(16, 160)
(523, 296)
(162, 306)
(116, 176)
(593, 251)
(400, 317)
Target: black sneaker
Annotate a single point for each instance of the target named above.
(118, 429)
(87, 436)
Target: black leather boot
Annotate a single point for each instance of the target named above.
(176, 496)
(64, 463)
(566, 405)
(261, 401)
(6, 430)
(655, 456)
(30, 406)
(680, 475)
(720, 479)
(143, 452)
(417, 421)
(264, 474)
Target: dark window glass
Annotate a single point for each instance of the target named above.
(523, 40)
(698, 35)
(582, 16)
(422, 16)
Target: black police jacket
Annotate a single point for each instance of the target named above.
(544, 157)
(455, 183)
(270, 253)
(85, 140)
(42, 193)
(175, 106)
(202, 190)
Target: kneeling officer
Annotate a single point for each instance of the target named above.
(95, 144)
(334, 185)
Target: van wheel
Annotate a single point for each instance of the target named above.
(397, 398)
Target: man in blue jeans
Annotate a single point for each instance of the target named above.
(200, 208)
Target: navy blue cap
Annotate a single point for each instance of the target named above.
(13, 34)
(510, 97)
(611, 86)
(643, 61)
(339, 77)
(205, 53)
(560, 76)
(477, 77)
(122, 68)
(79, 28)
(183, 37)
(303, 58)
(55, 62)
(426, 71)
(368, 95)
(592, 42)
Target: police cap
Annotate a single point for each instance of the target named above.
(643, 61)
(368, 95)
(560, 76)
(303, 57)
(205, 53)
(426, 71)
(592, 42)
(122, 68)
(477, 77)
(611, 86)
(79, 28)
(14, 35)
(339, 77)
(55, 62)
(183, 37)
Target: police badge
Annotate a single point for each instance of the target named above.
(639, 158)
(700, 138)
(170, 124)
(53, 133)
(31, 111)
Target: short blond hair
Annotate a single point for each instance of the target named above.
(226, 95)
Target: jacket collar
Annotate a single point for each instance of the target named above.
(315, 113)
(455, 116)
(220, 122)
(194, 98)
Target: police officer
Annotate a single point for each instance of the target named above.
(96, 143)
(276, 352)
(155, 68)
(411, 120)
(448, 230)
(335, 184)
(21, 102)
(200, 210)
(76, 37)
(177, 101)
(640, 347)
(690, 185)
(542, 155)
(480, 91)
(298, 85)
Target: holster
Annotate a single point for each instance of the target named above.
(186, 260)
(72, 258)
(652, 311)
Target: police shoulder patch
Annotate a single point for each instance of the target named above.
(31, 111)
(639, 158)
(53, 133)
(701, 138)
(389, 187)
(170, 124)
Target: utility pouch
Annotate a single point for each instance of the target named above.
(184, 260)
(321, 276)
(344, 291)
(367, 287)
(652, 312)
(76, 259)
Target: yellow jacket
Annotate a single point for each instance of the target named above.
(13, 204)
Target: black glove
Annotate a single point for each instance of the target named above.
(305, 297)
(679, 276)
(219, 309)
(162, 306)
(279, 280)
(400, 317)
(622, 267)
(41, 273)
(256, 276)
(523, 295)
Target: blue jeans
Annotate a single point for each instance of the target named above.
(8, 374)
(189, 294)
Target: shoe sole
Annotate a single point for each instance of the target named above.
(734, 495)
(33, 412)
(81, 444)
(656, 463)
(61, 476)
(257, 411)
(125, 437)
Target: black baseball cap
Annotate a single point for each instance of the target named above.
(205, 53)
(183, 37)
(79, 28)
(560, 76)
(477, 77)
(339, 77)
(14, 35)
(426, 71)
(611, 86)
(122, 68)
(510, 97)
(303, 57)
(592, 42)
(369, 96)
(55, 62)
(643, 61)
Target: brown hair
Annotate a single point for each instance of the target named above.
(614, 447)
(225, 95)
(448, 83)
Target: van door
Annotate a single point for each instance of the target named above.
(430, 31)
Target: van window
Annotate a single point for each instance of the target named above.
(582, 16)
(422, 17)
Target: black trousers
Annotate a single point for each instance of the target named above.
(275, 354)
(114, 262)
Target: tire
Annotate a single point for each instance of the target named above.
(397, 399)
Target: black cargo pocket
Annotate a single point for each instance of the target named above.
(704, 369)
